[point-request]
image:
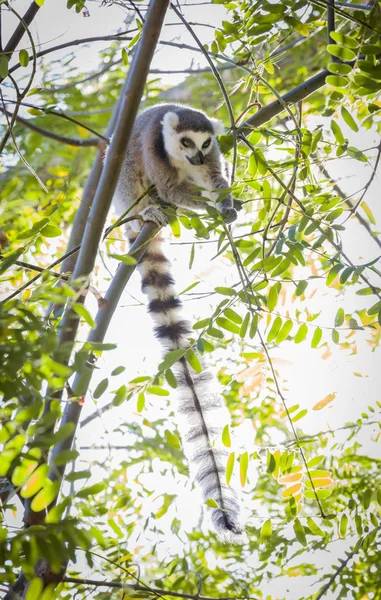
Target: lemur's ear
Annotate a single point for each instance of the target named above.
(218, 127)
(171, 120)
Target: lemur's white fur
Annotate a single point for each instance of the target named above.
(156, 155)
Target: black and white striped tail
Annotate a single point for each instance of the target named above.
(202, 414)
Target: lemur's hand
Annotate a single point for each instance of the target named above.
(229, 215)
(237, 204)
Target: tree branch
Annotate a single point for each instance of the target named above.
(102, 321)
(50, 134)
(138, 587)
(18, 33)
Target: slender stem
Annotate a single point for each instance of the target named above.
(52, 135)
(137, 587)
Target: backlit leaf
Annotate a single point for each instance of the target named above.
(326, 400)
(243, 466)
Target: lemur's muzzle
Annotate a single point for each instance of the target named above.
(197, 159)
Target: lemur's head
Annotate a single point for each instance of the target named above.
(189, 134)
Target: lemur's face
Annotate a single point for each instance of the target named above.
(188, 145)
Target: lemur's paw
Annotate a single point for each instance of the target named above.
(154, 214)
(237, 204)
(229, 215)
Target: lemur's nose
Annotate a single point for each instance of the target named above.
(201, 157)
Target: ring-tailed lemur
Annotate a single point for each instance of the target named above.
(175, 148)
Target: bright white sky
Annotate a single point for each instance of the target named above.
(308, 377)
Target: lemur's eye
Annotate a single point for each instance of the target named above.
(186, 142)
(207, 143)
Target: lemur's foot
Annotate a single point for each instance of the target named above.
(237, 204)
(154, 214)
(229, 215)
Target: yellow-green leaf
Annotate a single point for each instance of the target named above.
(348, 118)
(226, 437)
(193, 360)
(299, 532)
(326, 400)
(34, 589)
(45, 496)
(23, 58)
(172, 439)
(266, 531)
(230, 467)
(243, 466)
(84, 314)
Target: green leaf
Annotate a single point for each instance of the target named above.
(284, 332)
(193, 360)
(228, 325)
(344, 40)
(125, 56)
(65, 456)
(373, 310)
(45, 496)
(344, 54)
(244, 326)
(337, 80)
(230, 467)
(23, 58)
(343, 526)
(301, 288)
(157, 390)
(3, 66)
(91, 490)
(356, 154)
(333, 273)
(118, 371)
(35, 482)
(314, 527)
(366, 498)
(266, 531)
(299, 415)
(233, 316)
(349, 119)
(225, 291)
(40, 2)
(315, 461)
(275, 328)
(370, 49)
(35, 587)
(124, 258)
(82, 312)
(120, 396)
(170, 378)
(335, 336)
(316, 337)
(299, 532)
(339, 68)
(337, 133)
(101, 388)
(226, 437)
(272, 297)
(211, 503)
(243, 466)
(301, 334)
(172, 439)
(191, 257)
(339, 318)
(253, 326)
(51, 231)
(141, 402)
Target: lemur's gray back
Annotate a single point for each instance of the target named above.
(202, 413)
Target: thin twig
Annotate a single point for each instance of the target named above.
(138, 587)
(52, 135)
